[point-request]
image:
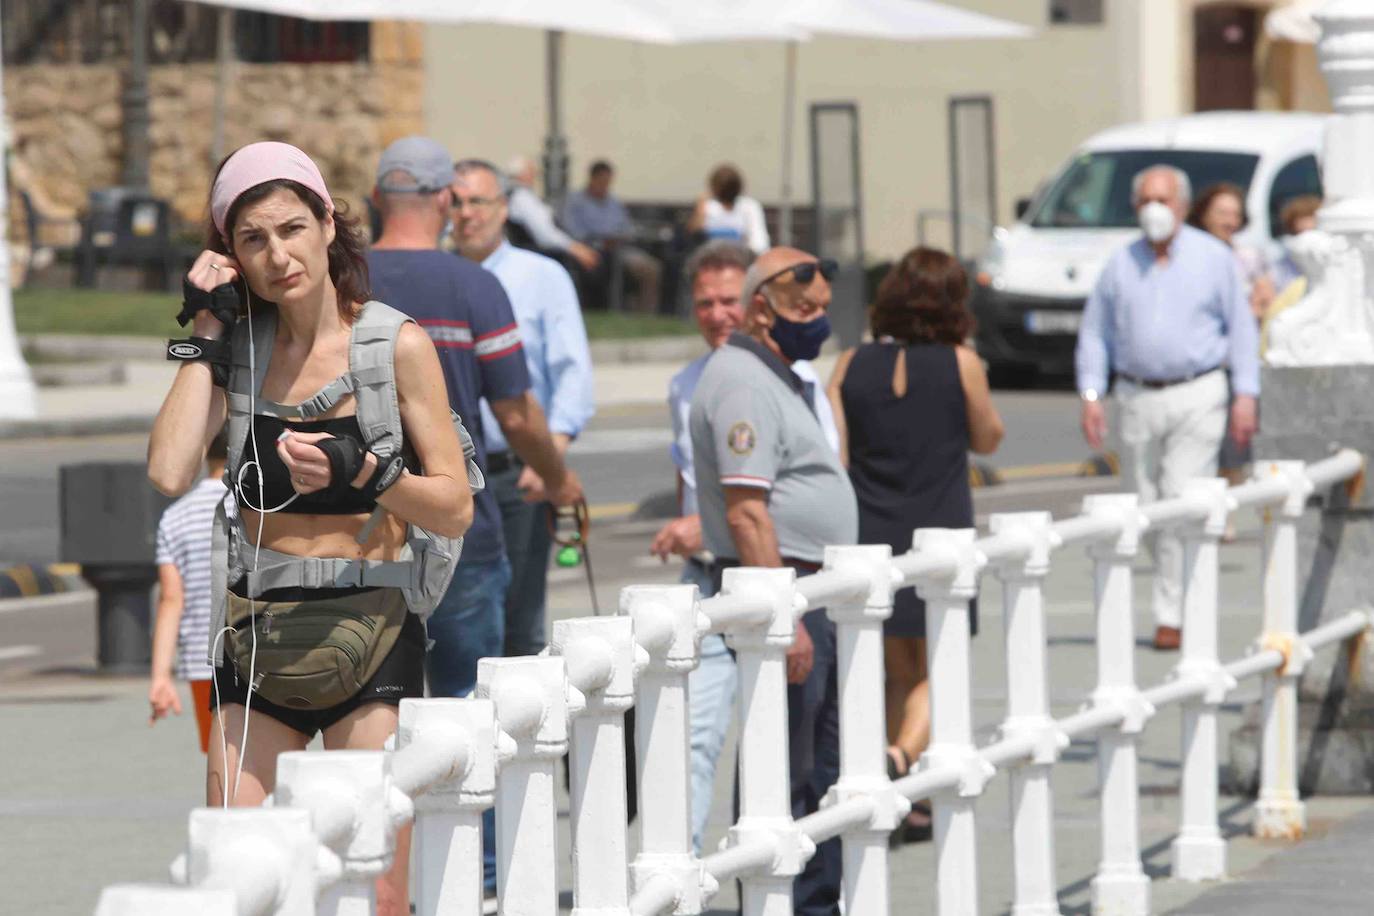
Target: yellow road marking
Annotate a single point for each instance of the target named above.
(611, 510)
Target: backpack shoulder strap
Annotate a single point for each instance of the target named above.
(372, 366)
(249, 359)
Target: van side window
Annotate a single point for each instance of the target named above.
(1299, 177)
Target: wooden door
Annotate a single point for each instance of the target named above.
(1224, 36)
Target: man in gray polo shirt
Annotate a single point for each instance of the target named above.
(772, 492)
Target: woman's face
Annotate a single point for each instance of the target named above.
(282, 248)
(1223, 217)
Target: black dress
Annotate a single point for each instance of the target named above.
(908, 456)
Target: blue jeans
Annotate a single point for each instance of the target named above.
(710, 700)
(469, 624)
(526, 527)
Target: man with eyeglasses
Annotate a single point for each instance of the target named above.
(771, 492)
(560, 366)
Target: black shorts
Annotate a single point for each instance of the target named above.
(401, 675)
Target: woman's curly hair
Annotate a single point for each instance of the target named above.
(924, 297)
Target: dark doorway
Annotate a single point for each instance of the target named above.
(1224, 36)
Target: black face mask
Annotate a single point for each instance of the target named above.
(800, 339)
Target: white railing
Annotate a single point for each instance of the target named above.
(330, 831)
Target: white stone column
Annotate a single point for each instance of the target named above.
(951, 716)
(667, 627)
(600, 653)
(1120, 885)
(355, 811)
(1280, 813)
(269, 858)
(446, 845)
(1199, 852)
(1028, 711)
(765, 788)
(863, 727)
(18, 397)
(533, 703)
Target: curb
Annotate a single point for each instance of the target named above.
(76, 426)
(27, 581)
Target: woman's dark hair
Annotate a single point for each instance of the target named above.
(726, 184)
(924, 297)
(1212, 192)
(347, 253)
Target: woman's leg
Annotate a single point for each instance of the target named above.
(908, 695)
(266, 739)
(366, 729)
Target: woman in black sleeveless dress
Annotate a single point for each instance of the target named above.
(910, 406)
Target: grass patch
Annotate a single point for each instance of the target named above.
(143, 314)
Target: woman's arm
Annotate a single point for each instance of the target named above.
(832, 391)
(162, 692)
(984, 423)
(697, 221)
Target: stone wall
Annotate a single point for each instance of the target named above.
(66, 121)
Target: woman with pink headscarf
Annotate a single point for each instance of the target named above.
(279, 251)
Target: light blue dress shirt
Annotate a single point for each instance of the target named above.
(680, 391)
(592, 219)
(1172, 320)
(555, 340)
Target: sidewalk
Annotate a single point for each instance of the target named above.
(89, 792)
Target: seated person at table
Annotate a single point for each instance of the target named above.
(598, 218)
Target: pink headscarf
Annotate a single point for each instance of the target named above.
(258, 163)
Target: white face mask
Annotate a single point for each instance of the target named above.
(1157, 221)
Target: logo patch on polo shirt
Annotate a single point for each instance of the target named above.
(741, 438)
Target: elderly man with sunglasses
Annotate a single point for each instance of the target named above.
(772, 492)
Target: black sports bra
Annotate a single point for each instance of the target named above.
(277, 487)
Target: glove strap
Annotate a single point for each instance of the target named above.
(388, 472)
(216, 352)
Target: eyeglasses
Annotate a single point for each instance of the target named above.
(476, 203)
(805, 272)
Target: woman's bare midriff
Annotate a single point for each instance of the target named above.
(327, 535)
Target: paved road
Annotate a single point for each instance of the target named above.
(622, 457)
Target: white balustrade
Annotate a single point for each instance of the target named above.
(331, 828)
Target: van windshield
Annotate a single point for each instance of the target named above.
(1095, 191)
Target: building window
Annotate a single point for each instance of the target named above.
(1075, 12)
(97, 31)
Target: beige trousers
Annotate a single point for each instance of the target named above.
(1171, 435)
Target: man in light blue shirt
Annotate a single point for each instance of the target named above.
(715, 278)
(560, 366)
(1169, 318)
(597, 217)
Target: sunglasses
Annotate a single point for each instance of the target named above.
(806, 272)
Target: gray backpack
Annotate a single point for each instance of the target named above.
(426, 563)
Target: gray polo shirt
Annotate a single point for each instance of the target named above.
(753, 425)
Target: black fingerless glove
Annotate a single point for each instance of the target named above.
(346, 456)
(389, 471)
(222, 301)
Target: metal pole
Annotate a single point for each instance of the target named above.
(1280, 812)
(135, 173)
(789, 104)
(555, 144)
(18, 397)
(1199, 852)
(224, 58)
(1120, 885)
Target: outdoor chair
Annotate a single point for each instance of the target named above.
(127, 227)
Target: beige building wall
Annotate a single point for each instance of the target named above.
(665, 115)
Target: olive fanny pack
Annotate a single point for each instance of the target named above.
(314, 654)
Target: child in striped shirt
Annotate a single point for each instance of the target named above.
(182, 629)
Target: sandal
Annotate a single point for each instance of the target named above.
(898, 763)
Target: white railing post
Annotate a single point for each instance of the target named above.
(863, 771)
(1120, 885)
(446, 845)
(668, 627)
(1280, 813)
(765, 796)
(533, 703)
(269, 858)
(600, 653)
(355, 811)
(164, 900)
(951, 717)
(1199, 852)
(1028, 711)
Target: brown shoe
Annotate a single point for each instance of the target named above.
(1167, 639)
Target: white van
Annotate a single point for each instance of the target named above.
(1034, 278)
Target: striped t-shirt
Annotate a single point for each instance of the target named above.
(183, 539)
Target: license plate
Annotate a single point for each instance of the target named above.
(1045, 322)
